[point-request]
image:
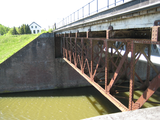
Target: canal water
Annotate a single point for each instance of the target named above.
(62, 104)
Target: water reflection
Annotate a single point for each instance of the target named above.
(74, 103)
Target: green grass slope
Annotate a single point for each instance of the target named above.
(9, 45)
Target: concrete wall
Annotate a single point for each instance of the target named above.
(35, 68)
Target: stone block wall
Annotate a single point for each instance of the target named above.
(35, 67)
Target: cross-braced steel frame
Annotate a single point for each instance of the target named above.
(105, 63)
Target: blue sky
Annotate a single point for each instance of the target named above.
(43, 12)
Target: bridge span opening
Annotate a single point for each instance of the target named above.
(115, 62)
(117, 50)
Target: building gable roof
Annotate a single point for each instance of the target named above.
(35, 23)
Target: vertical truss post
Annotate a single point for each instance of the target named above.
(132, 75)
(64, 47)
(67, 49)
(82, 55)
(70, 52)
(106, 64)
(107, 37)
(91, 74)
(75, 57)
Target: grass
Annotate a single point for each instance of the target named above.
(10, 44)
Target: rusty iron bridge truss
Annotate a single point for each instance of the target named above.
(105, 63)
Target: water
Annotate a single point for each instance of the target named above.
(66, 104)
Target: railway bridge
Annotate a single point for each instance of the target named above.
(115, 47)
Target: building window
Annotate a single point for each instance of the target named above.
(35, 26)
(37, 31)
(34, 31)
(31, 26)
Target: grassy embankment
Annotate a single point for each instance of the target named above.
(10, 44)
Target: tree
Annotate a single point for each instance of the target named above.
(24, 29)
(4, 29)
(28, 31)
(14, 31)
(21, 30)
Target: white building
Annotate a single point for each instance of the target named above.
(35, 28)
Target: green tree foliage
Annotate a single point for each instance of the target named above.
(50, 30)
(28, 31)
(3, 29)
(21, 30)
(14, 31)
(10, 31)
(24, 29)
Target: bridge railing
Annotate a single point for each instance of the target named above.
(93, 7)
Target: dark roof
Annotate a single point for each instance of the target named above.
(35, 23)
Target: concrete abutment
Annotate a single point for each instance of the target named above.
(38, 66)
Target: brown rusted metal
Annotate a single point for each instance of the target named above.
(110, 27)
(155, 33)
(75, 54)
(100, 89)
(132, 71)
(157, 23)
(107, 34)
(154, 85)
(100, 60)
(82, 56)
(91, 74)
(106, 66)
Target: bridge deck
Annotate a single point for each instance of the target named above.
(124, 16)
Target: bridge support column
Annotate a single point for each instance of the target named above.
(132, 74)
(82, 56)
(106, 66)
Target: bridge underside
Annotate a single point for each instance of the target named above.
(110, 61)
(115, 51)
